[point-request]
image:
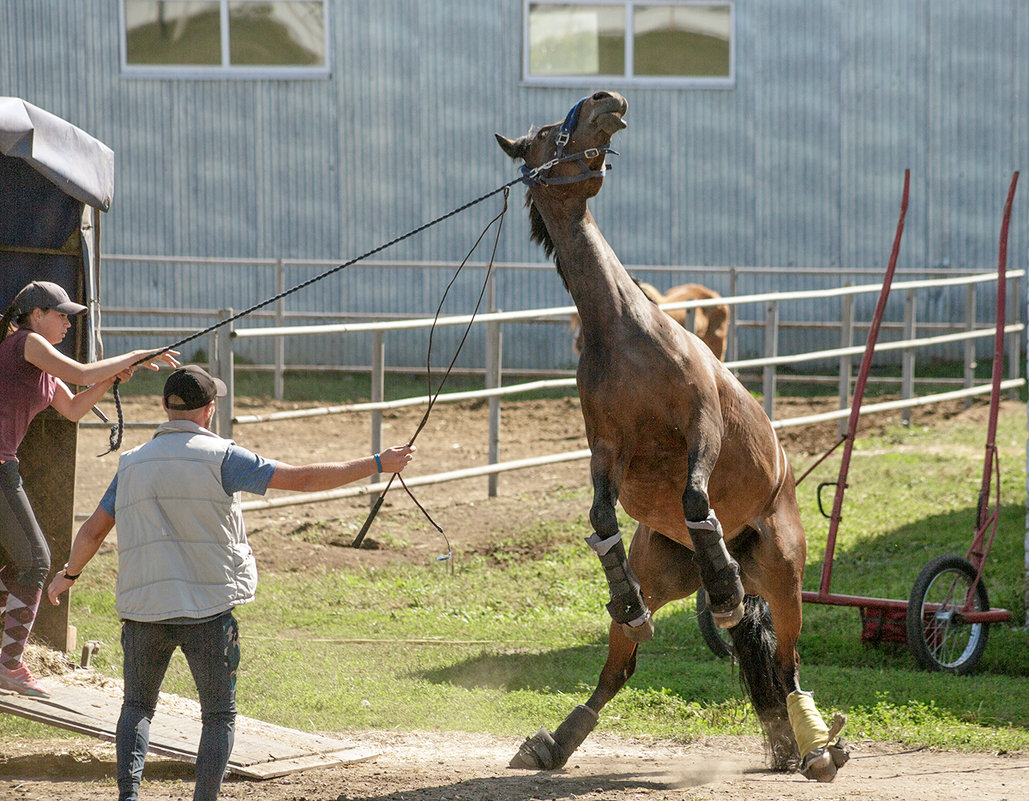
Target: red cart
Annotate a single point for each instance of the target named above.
(945, 622)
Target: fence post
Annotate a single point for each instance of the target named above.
(846, 340)
(223, 368)
(690, 320)
(378, 395)
(907, 369)
(1014, 347)
(771, 351)
(280, 319)
(732, 348)
(969, 350)
(494, 344)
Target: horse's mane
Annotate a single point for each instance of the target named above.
(538, 233)
(639, 283)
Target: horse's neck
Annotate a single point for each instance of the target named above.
(596, 279)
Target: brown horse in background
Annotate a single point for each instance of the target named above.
(687, 451)
(710, 323)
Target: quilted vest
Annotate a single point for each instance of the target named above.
(182, 547)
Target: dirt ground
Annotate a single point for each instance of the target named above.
(453, 766)
(419, 766)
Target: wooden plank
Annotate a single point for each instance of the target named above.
(283, 767)
(261, 750)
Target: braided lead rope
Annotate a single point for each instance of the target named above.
(116, 431)
(499, 220)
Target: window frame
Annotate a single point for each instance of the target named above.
(627, 78)
(226, 70)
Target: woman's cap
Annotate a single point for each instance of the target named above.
(46, 295)
(191, 387)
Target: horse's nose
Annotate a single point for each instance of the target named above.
(607, 97)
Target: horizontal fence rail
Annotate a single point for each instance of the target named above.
(224, 340)
(394, 290)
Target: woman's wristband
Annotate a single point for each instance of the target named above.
(69, 577)
(378, 462)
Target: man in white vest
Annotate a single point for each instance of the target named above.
(184, 562)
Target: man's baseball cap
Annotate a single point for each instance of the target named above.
(46, 295)
(191, 387)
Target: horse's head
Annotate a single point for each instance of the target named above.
(573, 151)
(567, 159)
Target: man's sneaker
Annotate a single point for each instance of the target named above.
(22, 682)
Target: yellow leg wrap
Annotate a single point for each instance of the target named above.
(808, 726)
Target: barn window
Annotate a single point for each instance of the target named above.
(225, 38)
(651, 42)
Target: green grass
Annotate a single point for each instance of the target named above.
(507, 645)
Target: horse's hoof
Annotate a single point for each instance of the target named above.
(819, 766)
(640, 632)
(538, 752)
(840, 753)
(726, 620)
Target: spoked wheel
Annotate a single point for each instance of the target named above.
(718, 640)
(938, 636)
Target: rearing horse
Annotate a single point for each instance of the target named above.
(688, 452)
(710, 323)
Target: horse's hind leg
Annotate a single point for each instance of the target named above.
(668, 572)
(546, 751)
(773, 567)
(755, 647)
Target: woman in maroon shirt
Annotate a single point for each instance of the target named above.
(34, 375)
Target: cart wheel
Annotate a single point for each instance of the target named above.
(718, 640)
(937, 636)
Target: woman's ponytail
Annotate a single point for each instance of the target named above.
(7, 319)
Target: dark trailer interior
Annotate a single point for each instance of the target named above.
(55, 179)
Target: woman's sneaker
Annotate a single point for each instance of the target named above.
(21, 681)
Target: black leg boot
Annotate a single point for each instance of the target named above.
(719, 572)
(626, 607)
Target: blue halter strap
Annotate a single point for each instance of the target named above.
(537, 175)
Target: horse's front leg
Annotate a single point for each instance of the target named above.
(719, 572)
(626, 607)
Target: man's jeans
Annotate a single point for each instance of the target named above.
(212, 652)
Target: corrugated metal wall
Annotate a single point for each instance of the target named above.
(800, 165)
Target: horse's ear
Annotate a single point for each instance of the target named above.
(515, 148)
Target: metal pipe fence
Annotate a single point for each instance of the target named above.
(179, 291)
(915, 337)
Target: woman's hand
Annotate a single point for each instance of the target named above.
(167, 356)
(57, 586)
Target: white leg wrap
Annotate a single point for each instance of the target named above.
(808, 726)
(822, 751)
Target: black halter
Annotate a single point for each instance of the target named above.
(536, 176)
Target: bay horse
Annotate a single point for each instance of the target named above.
(688, 452)
(710, 323)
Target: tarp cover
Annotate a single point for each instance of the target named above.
(81, 166)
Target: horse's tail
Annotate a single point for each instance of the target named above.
(754, 644)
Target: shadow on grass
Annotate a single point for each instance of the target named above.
(844, 671)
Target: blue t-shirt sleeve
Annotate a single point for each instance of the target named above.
(245, 471)
(107, 502)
